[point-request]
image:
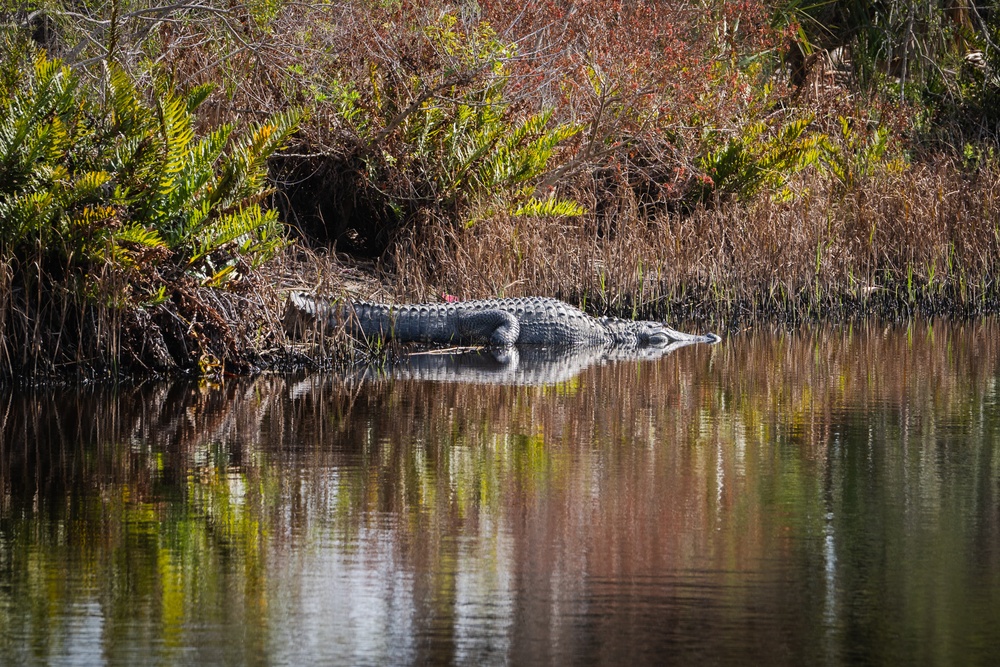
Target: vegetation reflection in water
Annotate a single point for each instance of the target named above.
(823, 496)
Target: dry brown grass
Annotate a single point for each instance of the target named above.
(924, 239)
(64, 329)
(58, 332)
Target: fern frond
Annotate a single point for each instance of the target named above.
(531, 126)
(220, 277)
(128, 114)
(551, 207)
(33, 127)
(139, 235)
(194, 186)
(87, 186)
(244, 172)
(176, 133)
(249, 227)
(26, 215)
(197, 95)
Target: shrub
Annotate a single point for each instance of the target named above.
(431, 126)
(940, 59)
(114, 213)
(86, 180)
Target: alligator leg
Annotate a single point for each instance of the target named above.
(494, 327)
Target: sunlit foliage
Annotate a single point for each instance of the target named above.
(88, 178)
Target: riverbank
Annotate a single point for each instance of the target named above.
(169, 174)
(921, 241)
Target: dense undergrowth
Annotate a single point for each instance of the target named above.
(124, 239)
(722, 160)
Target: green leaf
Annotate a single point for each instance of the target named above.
(551, 207)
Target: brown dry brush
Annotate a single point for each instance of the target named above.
(61, 328)
(631, 77)
(57, 326)
(921, 241)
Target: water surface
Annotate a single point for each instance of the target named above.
(824, 496)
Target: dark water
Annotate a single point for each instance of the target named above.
(825, 497)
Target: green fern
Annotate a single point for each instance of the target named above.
(118, 179)
(463, 148)
(206, 187)
(762, 157)
(22, 214)
(550, 208)
(244, 172)
(857, 155)
(251, 231)
(138, 235)
(35, 123)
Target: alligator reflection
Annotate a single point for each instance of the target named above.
(829, 496)
(526, 365)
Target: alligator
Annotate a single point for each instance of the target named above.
(497, 323)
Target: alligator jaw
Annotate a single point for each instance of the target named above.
(681, 337)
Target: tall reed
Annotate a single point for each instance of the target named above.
(892, 244)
